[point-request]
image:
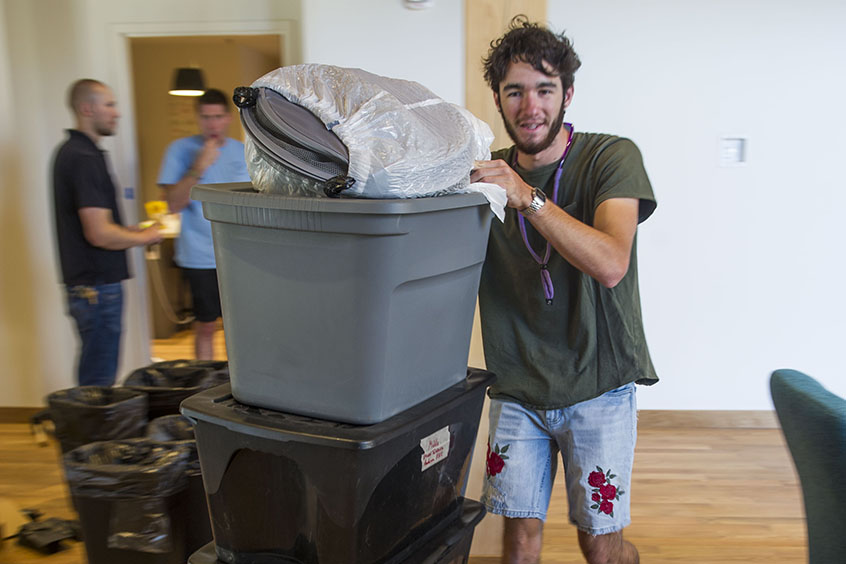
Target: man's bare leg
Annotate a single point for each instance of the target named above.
(608, 549)
(522, 541)
(204, 339)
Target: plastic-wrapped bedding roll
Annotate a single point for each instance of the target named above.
(324, 130)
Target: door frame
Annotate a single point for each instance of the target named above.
(136, 341)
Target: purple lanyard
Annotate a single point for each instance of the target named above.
(546, 279)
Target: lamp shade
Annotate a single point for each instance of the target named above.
(188, 82)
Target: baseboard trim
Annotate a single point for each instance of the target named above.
(17, 414)
(712, 419)
(647, 418)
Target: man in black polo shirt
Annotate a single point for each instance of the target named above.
(92, 239)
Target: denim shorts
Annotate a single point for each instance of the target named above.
(596, 439)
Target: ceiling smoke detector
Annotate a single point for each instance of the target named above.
(418, 4)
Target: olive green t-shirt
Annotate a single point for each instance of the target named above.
(590, 339)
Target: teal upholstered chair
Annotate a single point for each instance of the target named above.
(813, 421)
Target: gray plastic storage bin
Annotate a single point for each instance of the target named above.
(350, 310)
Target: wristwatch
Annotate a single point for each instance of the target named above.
(538, 200)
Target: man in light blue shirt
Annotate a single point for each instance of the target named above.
(208, 158)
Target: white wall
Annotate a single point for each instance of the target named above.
(36, 343)
(741, 267)
(383, 37)
(44, 46)
(733, 267)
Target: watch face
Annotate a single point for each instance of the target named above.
(540, 194)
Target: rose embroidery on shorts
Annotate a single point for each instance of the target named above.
(496, 459)
(604, 492)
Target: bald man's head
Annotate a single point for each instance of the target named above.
(83, 91)
(94, 106)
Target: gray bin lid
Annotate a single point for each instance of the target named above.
(243, 194)
(241, 204)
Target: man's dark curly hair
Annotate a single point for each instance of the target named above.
(530, 43)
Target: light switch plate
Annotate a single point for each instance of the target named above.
(733, 150)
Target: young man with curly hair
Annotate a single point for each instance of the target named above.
(560, 306)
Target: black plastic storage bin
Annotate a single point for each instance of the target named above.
(169, 382)
(87, 414)
(450, 546)
(176, 429)
(129, 496)
(316, 491)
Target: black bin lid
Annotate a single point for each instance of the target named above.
(217, 406)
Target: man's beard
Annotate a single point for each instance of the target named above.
(104, 130)
(535, 148)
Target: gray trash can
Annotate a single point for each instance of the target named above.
(345, 309)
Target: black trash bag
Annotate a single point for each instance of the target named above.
(170, 428)
(86, 414)
(176, 429)
(168, 383)
(218, 369)
(136, 478)
(216, 366)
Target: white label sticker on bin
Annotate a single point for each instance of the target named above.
(435, 448)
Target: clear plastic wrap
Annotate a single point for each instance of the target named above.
(403, 140)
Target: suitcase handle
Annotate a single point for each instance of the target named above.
(245, 97)
(337, 184)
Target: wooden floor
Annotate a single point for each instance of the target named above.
(700, 495)
(181, 345)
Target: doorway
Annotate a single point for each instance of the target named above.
(227, 61)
